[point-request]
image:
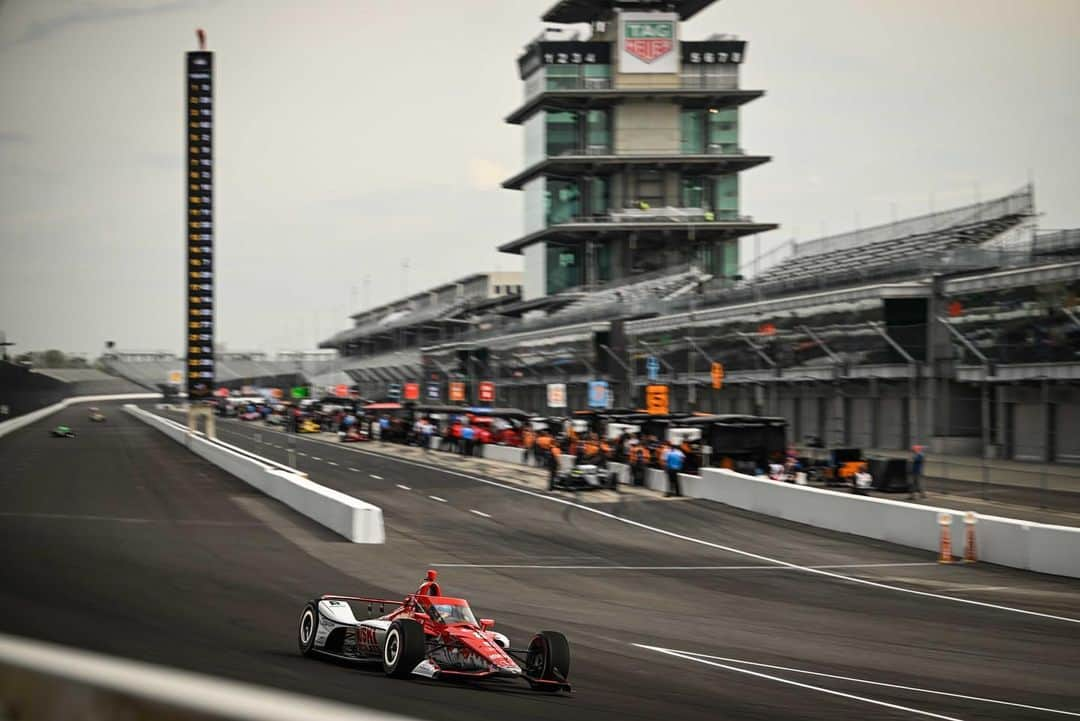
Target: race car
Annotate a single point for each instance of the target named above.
(431, 636)
(308, 426)
(584, 477)
(96, 415)
(353, 435)
(62, 432)
(251, 416)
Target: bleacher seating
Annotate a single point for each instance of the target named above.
(632, 294)
(892, 257)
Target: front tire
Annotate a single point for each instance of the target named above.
(403, 648)
(548, 659)
(308, 627)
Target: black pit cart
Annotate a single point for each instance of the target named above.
(585, 477)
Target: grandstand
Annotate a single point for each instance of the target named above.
(152, 370)
(877, 339)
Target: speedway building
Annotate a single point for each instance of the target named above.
(959, 329)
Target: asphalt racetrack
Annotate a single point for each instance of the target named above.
(120, 541)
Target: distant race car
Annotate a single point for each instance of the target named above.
(251, 416)
(96, 415)
(585, 476)
(309, 426)
(353, 435)
(431, 636)
(62, 432)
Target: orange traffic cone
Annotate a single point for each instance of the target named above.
(945, 521)
(970, 555)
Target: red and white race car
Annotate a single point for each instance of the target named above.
(432, 636)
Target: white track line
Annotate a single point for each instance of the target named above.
(440, 500)
(315, 458)
(377, 478)
(745, 567)
(820, 689)
(403, 487)
(701, 542)
(479, 513)
(332, 463)
(866, 681)
(354, 470)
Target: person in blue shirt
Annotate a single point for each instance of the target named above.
(674, 460)
(467, 435)
(917, 459)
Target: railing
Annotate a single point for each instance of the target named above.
(607, 150)
(668, 214)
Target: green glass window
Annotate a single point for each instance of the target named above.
(562, 199)
(723, 129)
(693, 139)
(603, 262)
(563, 268)
(597, 76)
(562, 77)
(562, 133)
(731, 259)
(726, 194)
(693, 193)
(597, 132)
(598, 196)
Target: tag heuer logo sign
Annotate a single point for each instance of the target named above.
(649, 40)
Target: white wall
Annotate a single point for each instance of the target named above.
(535, 271)
(354, 519)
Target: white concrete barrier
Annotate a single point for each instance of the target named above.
(1005, 541)
(507, 454)
(26, 419)
(356, 520)
(46, 681)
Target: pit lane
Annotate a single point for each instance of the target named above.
(123, 542)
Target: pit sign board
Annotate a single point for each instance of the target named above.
(649, 42)
(556, 395)
(717, 375)
(412, 391)
(456, 391)
(485, 392)
(598, 394)
(433, 393)
(656, 400)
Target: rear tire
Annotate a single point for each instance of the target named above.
(548, 659)
(308, 627)
(403, 648)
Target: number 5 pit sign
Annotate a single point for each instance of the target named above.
(656, 400)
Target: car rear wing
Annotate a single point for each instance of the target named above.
(381, 602)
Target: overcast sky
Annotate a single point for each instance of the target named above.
(354, 136)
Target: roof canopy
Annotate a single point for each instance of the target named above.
(584, 11)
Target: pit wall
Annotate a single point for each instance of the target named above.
(350, 517)
(1005, 541)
